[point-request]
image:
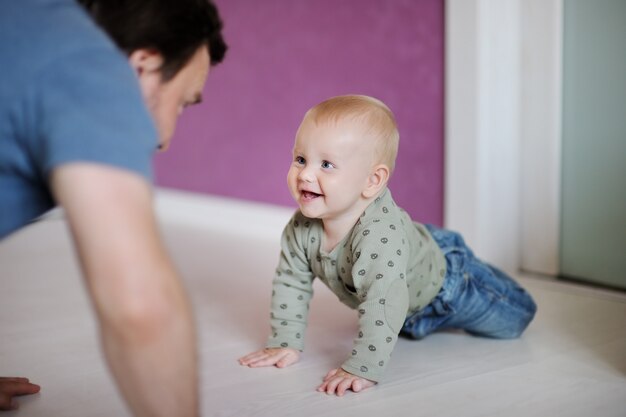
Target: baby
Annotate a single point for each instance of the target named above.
(401, 276)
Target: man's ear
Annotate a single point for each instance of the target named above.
(145, 61)
(147, 66)
(376, 181)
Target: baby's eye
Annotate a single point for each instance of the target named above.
(326, 165)
(300, 160)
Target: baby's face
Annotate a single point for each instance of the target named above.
(330, 169)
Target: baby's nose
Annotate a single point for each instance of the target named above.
(306, 174)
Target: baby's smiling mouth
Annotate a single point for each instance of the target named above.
(309, 195)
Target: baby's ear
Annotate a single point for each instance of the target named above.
(376, 181)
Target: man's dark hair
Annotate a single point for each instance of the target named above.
(174, 28)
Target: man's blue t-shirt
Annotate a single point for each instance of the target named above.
(67, 94)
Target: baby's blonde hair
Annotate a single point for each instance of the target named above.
(370, 114)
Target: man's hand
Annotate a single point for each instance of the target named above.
(11, 387)
(338, 381)
(279, 357)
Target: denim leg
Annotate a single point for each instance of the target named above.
(439, 313)
(493, 304)
(476, 297)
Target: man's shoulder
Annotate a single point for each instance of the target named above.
(35, 34)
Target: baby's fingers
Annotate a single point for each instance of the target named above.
(361, 384)
(323, 387)
(336, 383)
(330, 386)
(357, 385)
(264, 359)
(279, 357)
(330, 374)
(272, 360)
(344, 385)
(252, 357)
(286, 360)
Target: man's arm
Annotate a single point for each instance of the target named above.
(145, 319)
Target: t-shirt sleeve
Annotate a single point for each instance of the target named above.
(379, 275)
(87, 107)
(292, 289)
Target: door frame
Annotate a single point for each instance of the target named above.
(503, 129)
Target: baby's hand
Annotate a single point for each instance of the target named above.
(279, 357)
(339, 381)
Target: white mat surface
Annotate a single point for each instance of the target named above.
(570, 362)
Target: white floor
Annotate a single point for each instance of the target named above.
(570, 362)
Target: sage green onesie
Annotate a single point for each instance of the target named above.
(387, 267)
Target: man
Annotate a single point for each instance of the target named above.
(77, 128)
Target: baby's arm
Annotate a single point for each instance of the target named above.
(373, 339)
(291, 293)
(279, 357)
(378, 274)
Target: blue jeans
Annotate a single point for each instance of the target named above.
(475, 297)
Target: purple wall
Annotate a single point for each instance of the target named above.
(287, 55)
